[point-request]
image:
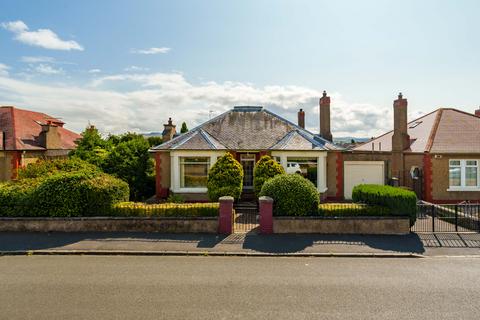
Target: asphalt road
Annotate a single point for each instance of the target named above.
(122, 287)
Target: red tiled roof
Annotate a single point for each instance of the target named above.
(22, 128)
(443, 130)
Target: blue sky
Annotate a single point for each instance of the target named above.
(129, 65)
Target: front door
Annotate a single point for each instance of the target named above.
(248, 163)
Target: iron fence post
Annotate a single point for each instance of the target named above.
(456, 218)
(433, 218)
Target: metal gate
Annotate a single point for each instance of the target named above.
(245, 217)
(461, 217)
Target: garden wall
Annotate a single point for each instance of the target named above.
(342, 225)
(111, 224)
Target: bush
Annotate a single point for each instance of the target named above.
(225, 178)
(78, 194)
(16, 197)
(401, 202)
(293, 195)
(176, 198)
(71, 194)
(266, 168)
(43, 168)
(132, 209)
(351, 210)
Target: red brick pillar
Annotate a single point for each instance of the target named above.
(225, 215)
(266, 215)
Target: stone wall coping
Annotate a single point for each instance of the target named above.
(102, 218)
(265, 198)
(340, 218)
(226, 198)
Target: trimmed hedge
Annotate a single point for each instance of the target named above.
(293, 195)
(43, 168)
(71, 194)
(266, 168)
(351, 210)
(132, 209)
(225, 178)
(401, 202)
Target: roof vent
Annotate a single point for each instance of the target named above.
(247, 108)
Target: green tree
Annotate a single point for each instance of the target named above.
(130, 161)
(265, 169)
(225, 178)
(154, 141)
(91, 147)
(184, 128)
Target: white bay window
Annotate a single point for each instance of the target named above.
(464, 175)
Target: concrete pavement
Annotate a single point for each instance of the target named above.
(241, 244)
(123, 287)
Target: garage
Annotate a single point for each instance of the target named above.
(362, 172)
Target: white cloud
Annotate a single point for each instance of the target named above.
(44, 38)
(152, 98)
(135, 69)
(151, 50)
(47, 69)
(94, 71)
(37, 59)
(4, 70)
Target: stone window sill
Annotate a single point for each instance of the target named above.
(462, 189)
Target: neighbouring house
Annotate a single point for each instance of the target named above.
(248, 132)
(436, 155)
(26, 136)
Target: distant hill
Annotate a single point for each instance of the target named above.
(349, 139)
(152, 134)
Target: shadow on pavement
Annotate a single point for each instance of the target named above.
(16, 241)
(290, 243)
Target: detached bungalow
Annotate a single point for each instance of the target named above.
(248, 132)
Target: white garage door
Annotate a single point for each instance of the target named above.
(362, 172)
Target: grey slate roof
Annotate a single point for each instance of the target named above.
(247, 128)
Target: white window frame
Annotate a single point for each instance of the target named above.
(463, 176)
(321, 164)
(175, 168)
(183, 162)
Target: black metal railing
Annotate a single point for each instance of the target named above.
(461, 217)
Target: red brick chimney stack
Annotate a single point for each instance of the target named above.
(477, 112)
(325, 117)
(400, 138)
(301, 118)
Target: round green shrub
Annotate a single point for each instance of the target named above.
(225, 178)
(293, 195)
(78, 194)
(265, 169)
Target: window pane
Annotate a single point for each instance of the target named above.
(455, 176)
(471, 176)
(194, 172)
(307, 167)
(454, 162)
(471, 162)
